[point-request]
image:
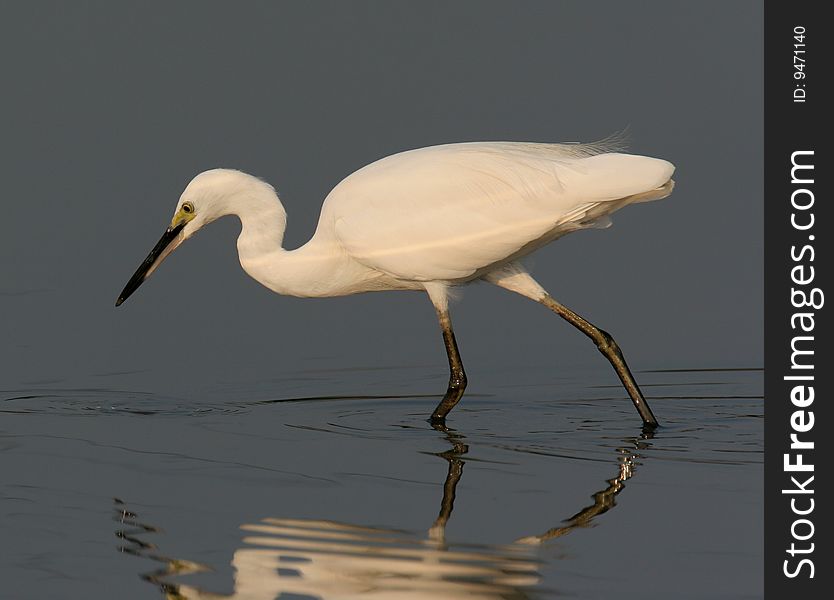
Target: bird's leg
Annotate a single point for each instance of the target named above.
(457, 377)
(609, 348)
(515, 278)
(439, 296)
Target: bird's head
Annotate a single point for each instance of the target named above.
(209, 196)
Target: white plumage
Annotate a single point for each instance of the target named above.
(429, 219)
(447, 213)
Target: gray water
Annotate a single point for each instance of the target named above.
(212, 436)
(543, 485)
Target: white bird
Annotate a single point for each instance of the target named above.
(430, 219)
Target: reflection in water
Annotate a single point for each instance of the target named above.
(604, 500)
(129, 531)
(325, 559)
(453, 457)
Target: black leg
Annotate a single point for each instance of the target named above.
(457, 377)
(609, 348)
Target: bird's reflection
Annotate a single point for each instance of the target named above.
(130, 529)
(454, 456)
(328, 560)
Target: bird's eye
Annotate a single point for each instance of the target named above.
(188, 208)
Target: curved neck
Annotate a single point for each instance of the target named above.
(318, 268)
(263, 223)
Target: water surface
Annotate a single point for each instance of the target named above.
(331, 484)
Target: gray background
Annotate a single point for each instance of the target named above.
(108, 109)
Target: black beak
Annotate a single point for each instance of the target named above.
(159, 252)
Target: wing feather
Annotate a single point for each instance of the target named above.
(446, 212)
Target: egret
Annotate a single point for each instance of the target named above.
(430, 219)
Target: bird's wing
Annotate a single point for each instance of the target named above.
(443, 213)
